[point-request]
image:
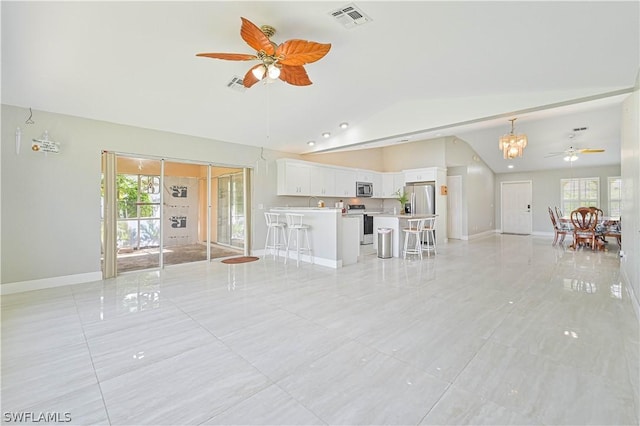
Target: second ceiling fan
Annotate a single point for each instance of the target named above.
(571, 154)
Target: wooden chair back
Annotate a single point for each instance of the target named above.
(584, 219)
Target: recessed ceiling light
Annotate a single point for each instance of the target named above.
(510, 166)
(326, 135)
(344, 125)
(311, 143)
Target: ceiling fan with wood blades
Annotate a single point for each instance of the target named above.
(571, 154)
(284, 61)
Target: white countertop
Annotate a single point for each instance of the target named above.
(314, 209)
(406, 216)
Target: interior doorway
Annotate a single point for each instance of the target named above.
(167, 212)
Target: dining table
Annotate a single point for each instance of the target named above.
(610, 225)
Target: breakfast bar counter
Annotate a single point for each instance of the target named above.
(334, 238)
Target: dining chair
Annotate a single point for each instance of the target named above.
(559, 230)
(559, 212)
(584, 221)
(600, 227)
(615, 230)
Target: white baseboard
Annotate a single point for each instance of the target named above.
(543, 234)
(479, 235)
(22, 286)
(335, 264)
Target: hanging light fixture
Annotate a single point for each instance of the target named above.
(512, 145)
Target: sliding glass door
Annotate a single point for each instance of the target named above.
(159, 212)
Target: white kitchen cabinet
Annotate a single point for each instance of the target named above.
(294, 177)
(364, 175)
(345, 183)
(376, 179)
(323, 181)
(391, 182)
(420, 175)
(398, 183)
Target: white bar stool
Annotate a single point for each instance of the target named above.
(415, 228)
(294, 223)
(275, 230)
(429, 229)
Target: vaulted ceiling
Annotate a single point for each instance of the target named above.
(412, 71)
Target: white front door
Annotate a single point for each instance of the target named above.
(454, 207)
(516, 207)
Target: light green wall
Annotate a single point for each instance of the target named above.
(50, 207)
(546, 190)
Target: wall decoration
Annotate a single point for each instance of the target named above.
(44, 144)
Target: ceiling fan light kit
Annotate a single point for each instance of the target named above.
(284, 61)
(512, 145)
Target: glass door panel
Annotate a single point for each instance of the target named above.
(230, 203)
(185, 213)
(138, 214)
(224, 210)
(237, 210)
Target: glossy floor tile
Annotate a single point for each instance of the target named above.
(500, 330)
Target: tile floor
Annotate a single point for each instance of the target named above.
(500, 330)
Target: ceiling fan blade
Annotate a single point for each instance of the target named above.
(229, 56)
(300, 52)
(590, 151)
(555, 154)
(255, 37)
(249, 79)
(295, 75)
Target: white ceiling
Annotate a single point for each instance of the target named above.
(417, 70)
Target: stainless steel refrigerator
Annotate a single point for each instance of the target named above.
(422, 198)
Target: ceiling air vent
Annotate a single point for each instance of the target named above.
(579, 129)
(236, 84)
(350, 16)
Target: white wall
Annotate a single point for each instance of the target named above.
(478, 186)
(414, 155)
(546, 190)
(630, 169)
(51, 203)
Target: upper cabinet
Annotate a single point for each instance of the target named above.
(391, 182)
(345, 183)
(323, 181)
(420, 175)
(294, 177)
(364, 175)
(303, 178)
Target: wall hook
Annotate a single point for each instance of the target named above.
(29, 120)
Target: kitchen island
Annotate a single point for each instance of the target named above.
(334, 237)
(395, 222)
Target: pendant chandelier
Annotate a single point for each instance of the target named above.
(512, 145)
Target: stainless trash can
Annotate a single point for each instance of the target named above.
(385, 238)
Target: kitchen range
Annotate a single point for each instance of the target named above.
(366, 221)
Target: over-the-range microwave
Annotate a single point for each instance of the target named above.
(364, 189)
